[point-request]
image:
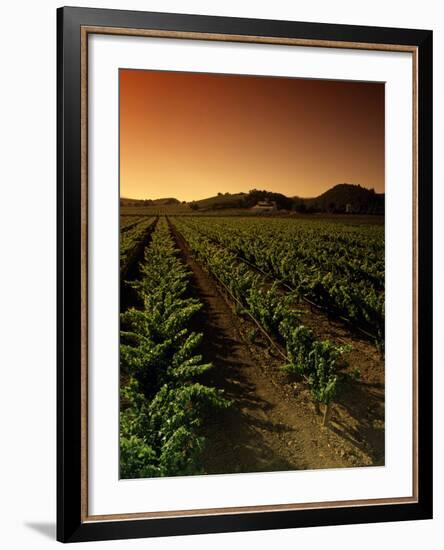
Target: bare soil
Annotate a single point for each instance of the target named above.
(359, 411)
(273, 424)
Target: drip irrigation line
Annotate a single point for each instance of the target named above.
(253, 318)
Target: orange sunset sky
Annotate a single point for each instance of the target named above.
(190, 136)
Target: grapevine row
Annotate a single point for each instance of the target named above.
(128, 221)
(131, 239)
(163, 402)
(334, 266)
(319, 362)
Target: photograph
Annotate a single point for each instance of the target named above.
(252, 273)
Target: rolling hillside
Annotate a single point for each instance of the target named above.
(342, 198)
(148, 202)
(346, 197)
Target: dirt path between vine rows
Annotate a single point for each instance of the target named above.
(271, 424)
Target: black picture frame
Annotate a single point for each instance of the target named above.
(71, 526)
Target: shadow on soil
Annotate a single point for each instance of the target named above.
(364, 403)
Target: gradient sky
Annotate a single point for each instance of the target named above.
(190, 136)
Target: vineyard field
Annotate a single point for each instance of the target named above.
(250, 344)
(133, 233)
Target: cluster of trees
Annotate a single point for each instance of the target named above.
(243, 200)
(255, 195)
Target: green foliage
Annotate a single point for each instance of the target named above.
(317, 361)
(132, 231)
(163, 404)
(136, 458)
(161, 436)
(269, 307)
(337, 266)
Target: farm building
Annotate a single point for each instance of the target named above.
(265, 206)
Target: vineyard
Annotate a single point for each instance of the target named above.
(339, 268)
(250, 345)
(133, 233)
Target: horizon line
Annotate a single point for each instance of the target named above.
(246, 193)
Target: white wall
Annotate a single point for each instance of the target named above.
(27, 292)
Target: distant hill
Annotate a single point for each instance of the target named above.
(222, 200)
(169, 200)
(346, 197)
(242, 200)
(148, 202)
(342, 198)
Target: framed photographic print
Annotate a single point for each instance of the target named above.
(245, 268)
